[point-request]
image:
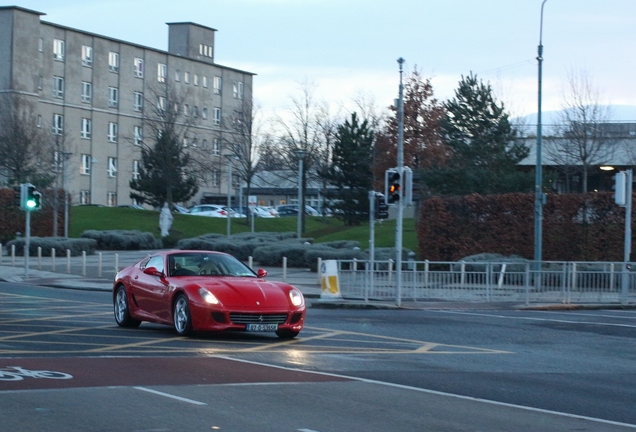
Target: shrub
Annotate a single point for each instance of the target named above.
(60, 244)
(329, 253)
(123, 240)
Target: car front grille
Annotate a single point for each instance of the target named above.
(243, 318)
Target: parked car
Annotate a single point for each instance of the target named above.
(265, 212)
(205, 291)
(179, 209)
(132, 206)
(211, 210)
(292, 210)
(237, 212)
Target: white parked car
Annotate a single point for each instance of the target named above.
(210, 210)
(265, 212)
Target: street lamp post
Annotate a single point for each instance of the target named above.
(230, 158)
(300, 155)
(539, 196)
(400, 203)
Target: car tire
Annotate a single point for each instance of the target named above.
(286, 334)
(122, 310)
(181, 316)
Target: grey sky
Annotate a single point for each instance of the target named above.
(351, 46)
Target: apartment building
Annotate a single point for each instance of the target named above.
(97, 93)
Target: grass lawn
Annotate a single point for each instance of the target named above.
(185, 226)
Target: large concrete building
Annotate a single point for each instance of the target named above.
(97, 93)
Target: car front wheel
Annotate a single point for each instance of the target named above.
(122, 311)
(182, 317)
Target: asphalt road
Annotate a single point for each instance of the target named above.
(372, 370)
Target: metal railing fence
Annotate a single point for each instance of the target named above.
(527, 282)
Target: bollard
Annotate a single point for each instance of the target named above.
(68, 261)
(284, 269)
(116, 263)
(1, 253)
(39, 258)
(83, 263)
(53, 260)
(99, 264)
(12, 255)
(249, 262)
(319, 270)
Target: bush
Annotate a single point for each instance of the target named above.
(123, 240)
(60, 244)
(328, 253)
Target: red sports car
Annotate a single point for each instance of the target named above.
(205, 291)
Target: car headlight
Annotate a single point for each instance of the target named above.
(207, 296)
(296, 297)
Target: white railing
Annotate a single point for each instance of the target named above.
(527, 282)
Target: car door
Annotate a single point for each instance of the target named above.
(152, 291)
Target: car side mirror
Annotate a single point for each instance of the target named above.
(152, 271)
(261, 273)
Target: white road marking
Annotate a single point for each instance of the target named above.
(439, 393)
(489, 315)
(168, 395)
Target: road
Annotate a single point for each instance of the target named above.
(372, 370)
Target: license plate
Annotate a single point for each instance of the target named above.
(261, 327)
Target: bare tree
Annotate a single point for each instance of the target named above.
(22, 143)
(582, 139)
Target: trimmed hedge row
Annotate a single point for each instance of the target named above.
(123, 239)
(60, 244)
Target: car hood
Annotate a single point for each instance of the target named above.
(246, 291)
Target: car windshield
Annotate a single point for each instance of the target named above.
(207, 264)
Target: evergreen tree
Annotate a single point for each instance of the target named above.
(164, 174)
(350, 171)
(484, 149)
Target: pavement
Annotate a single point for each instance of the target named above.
(305, 280)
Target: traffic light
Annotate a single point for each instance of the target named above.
(31, 199)
(381, 208)
(392, 186)
(17, 196)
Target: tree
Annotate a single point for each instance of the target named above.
(167, 172)
(582, 139)
(423, 147)
(350, 171)
(484, 151)
(23, 145)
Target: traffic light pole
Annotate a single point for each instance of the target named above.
(400, 203)
(372, 204)
(27, 243)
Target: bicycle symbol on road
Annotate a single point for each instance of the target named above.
(18, 373)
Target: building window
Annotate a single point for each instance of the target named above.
(237, 90)
(41, 82)
(139, 101)
(58, 124)
(58, 50)
(111, 199)
(85, 197)
(113, 132)
(204, 144)
(85, 131)
(196, 80)
(87, 91)
(205, 81)
(87, 56)
(216, 178)
(41, 45)
(216, 147)
(58, 87)
(162, 72)
(139, 67)
(113, 62)
(113, 97)
(186, 77)
(217, 116)
(161, 104)
(218, 82)
(204, 113)
(139, 135)
(39, 121)
(112, 167)
(177, 75)
(135, 170)
(205, 50)
(85, 168)
(195, 112)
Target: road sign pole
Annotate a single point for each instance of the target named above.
(27, 243)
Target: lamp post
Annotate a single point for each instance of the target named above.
(231, 158)
(538, 185)
(400, 203)
(300, 155)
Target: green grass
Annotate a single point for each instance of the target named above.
(184, 226)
